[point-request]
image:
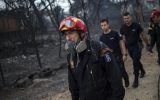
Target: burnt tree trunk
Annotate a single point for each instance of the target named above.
(38, 15)
(139, 12)
(53, 16)
(36, 48)
(85, 17)
(2, 75)
(32, 31)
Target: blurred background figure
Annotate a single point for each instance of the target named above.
(154, 32)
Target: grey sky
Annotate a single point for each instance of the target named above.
(63, 3)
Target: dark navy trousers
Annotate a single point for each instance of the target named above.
(135, 54)
(121, 66)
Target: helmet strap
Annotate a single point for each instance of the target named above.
(81, 46)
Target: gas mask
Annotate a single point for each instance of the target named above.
(81, 46)
(72, 47)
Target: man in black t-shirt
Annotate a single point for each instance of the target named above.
(114, 41)
(132, 32)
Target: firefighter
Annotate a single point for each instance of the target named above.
(92, 71)
(154, 32)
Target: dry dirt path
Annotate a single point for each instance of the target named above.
(56, 87)
(148, 85)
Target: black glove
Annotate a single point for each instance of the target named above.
(149, 48)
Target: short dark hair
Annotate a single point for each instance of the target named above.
(104, 20)
(126, 14)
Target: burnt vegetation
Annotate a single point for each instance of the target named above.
(27, 26)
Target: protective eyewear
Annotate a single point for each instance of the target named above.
(67, 24)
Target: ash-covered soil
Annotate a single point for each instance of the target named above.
(55, 85)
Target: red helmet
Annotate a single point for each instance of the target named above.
(155, 12)
(72, 23)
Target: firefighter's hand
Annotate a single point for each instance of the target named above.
(66, 46)
(149, 49)
(105, 50)
(124, 58)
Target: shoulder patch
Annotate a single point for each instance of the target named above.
(150, 28)
(107, 58)
(120, 35)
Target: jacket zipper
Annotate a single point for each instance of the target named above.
(92, 77)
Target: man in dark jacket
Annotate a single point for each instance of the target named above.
(115, 41)
(132, 32)
(92, 71)
(154, 32)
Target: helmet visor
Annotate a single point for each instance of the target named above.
(66, 25)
